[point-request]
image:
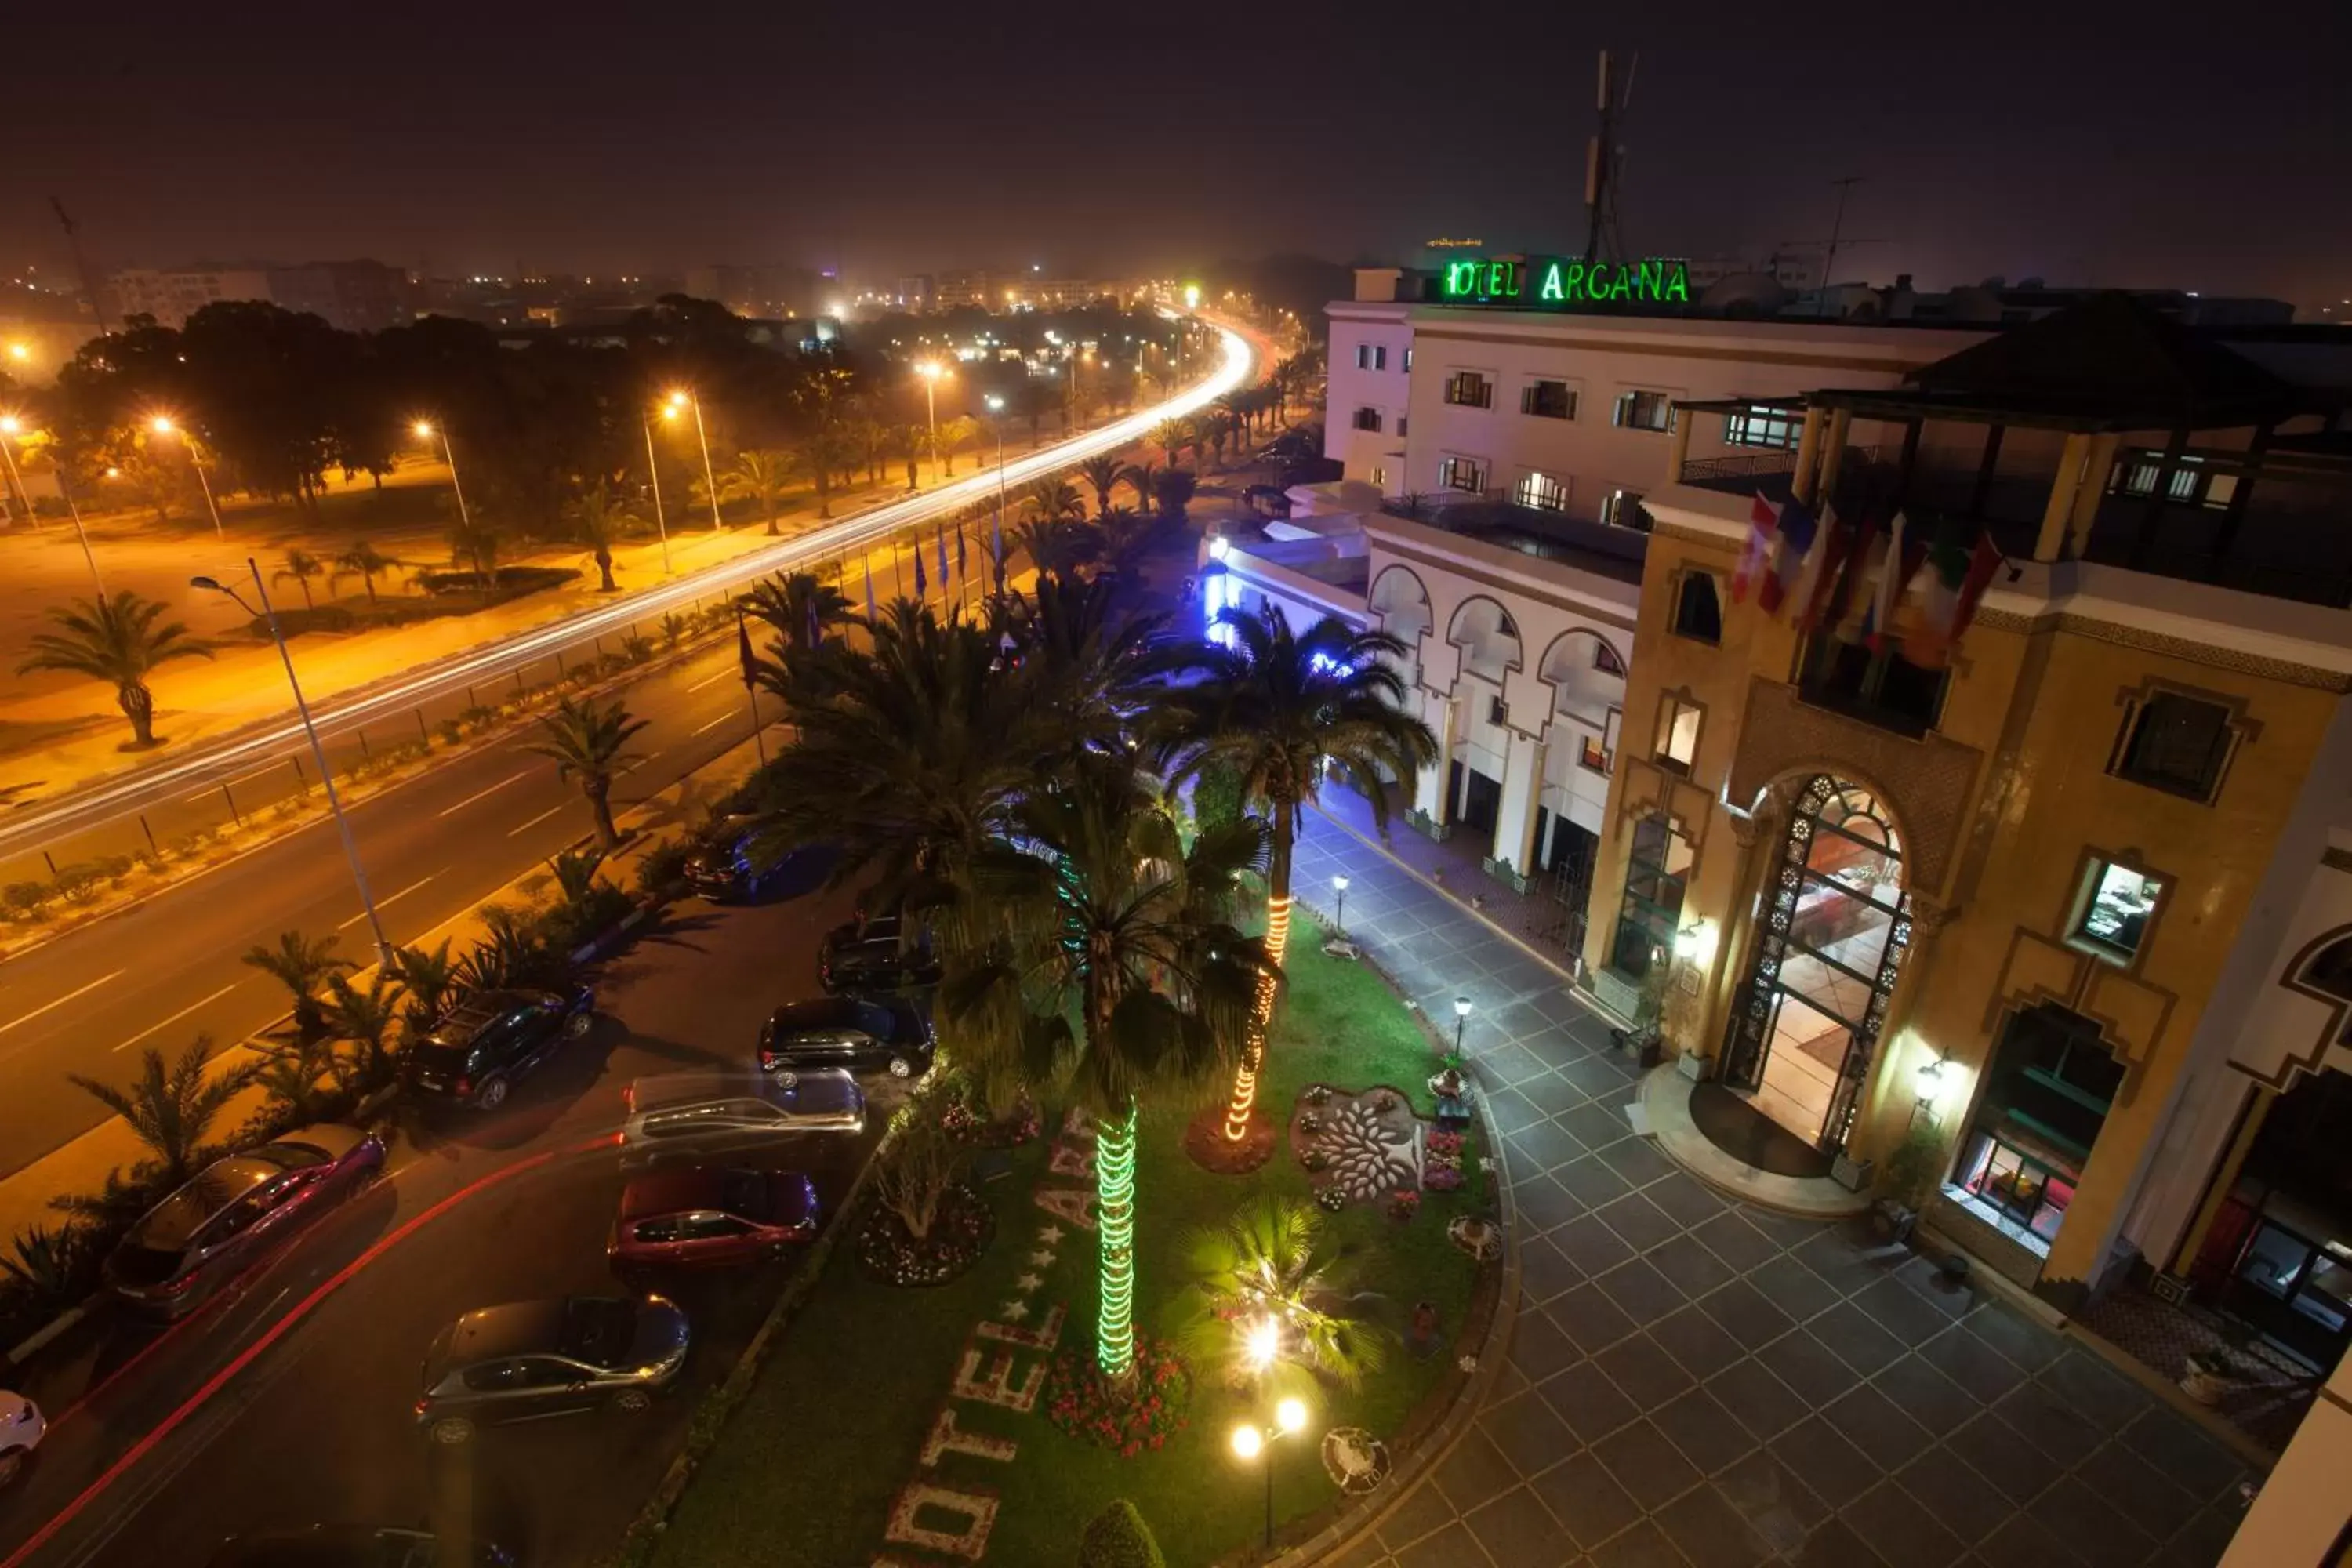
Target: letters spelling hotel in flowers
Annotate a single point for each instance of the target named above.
(2031, 828)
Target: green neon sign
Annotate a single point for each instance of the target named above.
(1562, 284)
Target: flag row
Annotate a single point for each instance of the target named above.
(1854, 581)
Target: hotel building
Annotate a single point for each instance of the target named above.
(2054, 934)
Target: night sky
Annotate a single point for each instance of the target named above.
(2208, 148)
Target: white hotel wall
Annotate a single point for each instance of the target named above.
(1600, 357)
(1439, 592)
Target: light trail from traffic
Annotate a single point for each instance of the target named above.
(104, 802)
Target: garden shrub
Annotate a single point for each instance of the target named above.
(25, 899)
(1217, 796)
(1118, 1538)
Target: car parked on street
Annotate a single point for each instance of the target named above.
(353, 1546)
(527, 1361)
(860, 1034)
(21, 1430)
(873, 954)
(475, 1055)
(684, 1110)
(233, 1211)
(706, 1217)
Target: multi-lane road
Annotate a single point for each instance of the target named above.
(291, 1404)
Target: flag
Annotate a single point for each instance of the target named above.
(1903, 554)
(869, 586)
(922, 589)
(962, 569)
(815, 630)
(1817, 584)
(939, 534)
(743, 651)
(1955, 580)
(996, 529)
(1792, 543)
(1850, 600)
(1763, 522)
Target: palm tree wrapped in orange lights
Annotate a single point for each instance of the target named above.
(1281, 709)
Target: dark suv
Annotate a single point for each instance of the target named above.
(846, 1032)
(474, 1056)
(870, 955)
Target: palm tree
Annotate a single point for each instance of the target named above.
(1138, 477)
(821, 453)
(1288, 381)
(1083, 662)
(1057, 547)
(1272, 1278)
(115, 639)
(302, 966)
(1280, 709)
(869, 438)
(171, 1108)
(361, 1018)
(1173, 491)
(1236, 405)
(910, 752)
(1052, 499)
(953, 436)
(1111, 971)
(759, 477)
(589, 741)
(599, 520)
(1170, 436)
(1101, 474)
(364, 561)
(473, 540)
(905, 445)
(798, 606)
(431, 980)
(301, 565)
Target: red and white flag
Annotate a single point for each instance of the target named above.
(1763, 522)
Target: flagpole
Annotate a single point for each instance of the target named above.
(750, 688)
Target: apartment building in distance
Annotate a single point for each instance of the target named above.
(353, 296)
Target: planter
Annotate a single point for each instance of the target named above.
(2207, 1381)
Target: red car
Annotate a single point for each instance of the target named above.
(703, 1217)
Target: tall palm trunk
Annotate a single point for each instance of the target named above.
(1277, 941)
(138, 705)
(1114, 1214)
(604, 570)
(599, 803)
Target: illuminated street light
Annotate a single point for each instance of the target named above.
(1461, 1016)
(681, 400)
(1256, 1443)
(383, 948)
(1339, 916)
(426, 430)
(12, 429)
(1262, 1342)
(162, 425)
(19, 352)
(653, 471)
(930, 370)
(996, 410)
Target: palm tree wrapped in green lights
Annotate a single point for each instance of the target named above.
(1279, 708)
(1114, 971)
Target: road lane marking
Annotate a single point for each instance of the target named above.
(535, 821)
(708, 679)
(478, 794)
(723, 718)
(387, 903)
(60, 1001)
(175, 1017)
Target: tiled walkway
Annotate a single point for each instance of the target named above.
(1691, 1382)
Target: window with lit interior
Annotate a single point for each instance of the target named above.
(1656, 867)
(1677, 738)
(1468, 389)
(1542, 492)
(2047, 1092)
(2116, 903)
(1759, 424)
(1460, 474)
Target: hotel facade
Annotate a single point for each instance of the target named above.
(2049, 932)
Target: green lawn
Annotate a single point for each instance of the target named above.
(807, 1468)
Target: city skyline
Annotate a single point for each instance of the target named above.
(831, 145)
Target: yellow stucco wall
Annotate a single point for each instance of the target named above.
(2040, 703)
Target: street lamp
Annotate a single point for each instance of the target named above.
(679, 400)
(1256, 1443)
(1461, 1016)
(1339, 918)
(930, 370)
(318, 752)
(996, 417)
(426, 430)
(653, 471)
(12, 429)
(162, 425)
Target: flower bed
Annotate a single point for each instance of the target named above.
(966, 1125)
(1128, 1421)
(965, 1226)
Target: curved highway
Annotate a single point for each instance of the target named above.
(209, 765)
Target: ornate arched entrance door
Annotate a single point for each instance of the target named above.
(1836, 923)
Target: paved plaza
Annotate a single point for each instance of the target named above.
(1693, 1381)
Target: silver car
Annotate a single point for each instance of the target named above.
(530, 1360)
(21, 1428)
(686, 1110)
